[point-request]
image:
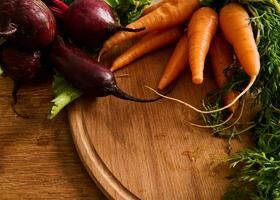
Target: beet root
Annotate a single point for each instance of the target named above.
(28, 23)
(88, 22)
(85, 73)
(21, 66)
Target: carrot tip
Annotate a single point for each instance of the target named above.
(162, 84)
(197, 80)
(160, 87)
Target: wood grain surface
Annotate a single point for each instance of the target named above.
(149, 151)
(38, 159)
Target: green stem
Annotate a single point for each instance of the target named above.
(246, 129)
(273, 2)
(277, 5)
(254, 13)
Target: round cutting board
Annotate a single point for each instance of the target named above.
(149, 151)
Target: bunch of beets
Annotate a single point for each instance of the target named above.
(39, 34)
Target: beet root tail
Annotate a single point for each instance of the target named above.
(123, 28)
(14, 102)
(117, 92)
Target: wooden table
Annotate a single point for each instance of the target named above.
(38, 159)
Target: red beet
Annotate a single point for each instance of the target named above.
(28, 23)
(21, 65)
(85, 73)
(88, 22)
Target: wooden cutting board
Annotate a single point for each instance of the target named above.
(149, 151)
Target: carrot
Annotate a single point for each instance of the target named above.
(236, 27)
(238, 32)
(176, 63)
(221, 54)
(169, 14)
(235, 24)
(201, 30)
(148, 43)
(153, 7)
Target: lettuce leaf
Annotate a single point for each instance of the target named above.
(64, 92)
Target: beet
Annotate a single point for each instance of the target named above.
(88, 22)
(21, 66)
(28, 23)
(85, 73)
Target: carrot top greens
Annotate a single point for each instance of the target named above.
(257, 170)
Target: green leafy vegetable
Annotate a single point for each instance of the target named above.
(64, 92)
(128, 10)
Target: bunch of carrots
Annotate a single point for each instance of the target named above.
(222, 35)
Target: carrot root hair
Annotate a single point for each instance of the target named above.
(238, 118)
(212, 126)
(252, 80)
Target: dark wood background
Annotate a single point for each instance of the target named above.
(38, 159)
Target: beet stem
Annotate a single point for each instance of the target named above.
(11, 29)
(117, 92)
(57, 12)
(63, 6)
(123, 28)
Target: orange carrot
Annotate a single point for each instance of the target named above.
(148, 43)
(235, 24)
(153, 7)
(221, 54)
(169, 14)
(176, 64)
(201, 30)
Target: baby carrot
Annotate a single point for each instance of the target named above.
(236, 27)
(221, 54)
(176, 64)
(201, 30)
(148, 43)
(169, 14)
(153, 7)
